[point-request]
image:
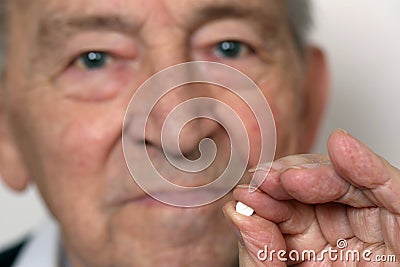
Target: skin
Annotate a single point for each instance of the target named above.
(354, 197)
(61, 124)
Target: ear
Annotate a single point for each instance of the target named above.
(12, 170)
(315, 98)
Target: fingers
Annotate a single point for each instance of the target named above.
(366, 224)
(312, 184)
(272, 184)
(355, 176)
(391, 231)
(254, 234)
(279, 166)
(334, 223)
(267, 207)
(322, 185)
(313, 226)
(365, 170)
(293, 218)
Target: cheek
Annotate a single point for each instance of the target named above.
(281, 93)
(282, 102)
(67, 151)
(254, 134)
(65, 146)
(284, 106)
(82, 138)
(85, 138)
(252, 128)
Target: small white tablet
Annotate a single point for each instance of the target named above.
(244, 209)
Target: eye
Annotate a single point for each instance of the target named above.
(93, 60)
(232, 49)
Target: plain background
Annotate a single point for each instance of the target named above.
(362, 40)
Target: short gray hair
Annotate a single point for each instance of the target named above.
(2, 33)
(298, 12)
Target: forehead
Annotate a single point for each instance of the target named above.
(179, 11)
(145, 6)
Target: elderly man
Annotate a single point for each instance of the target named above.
(71, 68)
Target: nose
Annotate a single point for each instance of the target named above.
(170, 124)
(191, 132)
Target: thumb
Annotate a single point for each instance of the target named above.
(245, 259)
(257, 238)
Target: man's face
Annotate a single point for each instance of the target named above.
(65, 109)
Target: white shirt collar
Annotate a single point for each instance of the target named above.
(42, 250)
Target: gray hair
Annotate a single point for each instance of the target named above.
(2, 33)
(298, 12)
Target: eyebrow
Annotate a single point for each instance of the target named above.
(58, 26)
(265, 20)
(65, 26)
(94, 22)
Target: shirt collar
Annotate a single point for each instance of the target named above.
(42, 249)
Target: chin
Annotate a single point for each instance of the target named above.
(150, 233)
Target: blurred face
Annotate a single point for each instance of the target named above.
(73, 67)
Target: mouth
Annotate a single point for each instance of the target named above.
(182, 199)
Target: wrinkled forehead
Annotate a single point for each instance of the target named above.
(139, 12)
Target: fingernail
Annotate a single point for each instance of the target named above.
(295, 167)
(253, 186)
(312, 165)
(234, 228)
(242, 186)
(256, 169)
(266, 166)
(247, 186)
(343, 131)
(258, 178)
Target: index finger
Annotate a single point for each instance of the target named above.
(364, 169)
(282, 164)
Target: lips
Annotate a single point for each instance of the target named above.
(184, 198)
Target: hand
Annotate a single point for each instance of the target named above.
(300, 206)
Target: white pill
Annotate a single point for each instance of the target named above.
(244, 209)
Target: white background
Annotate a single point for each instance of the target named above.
(362, 40)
